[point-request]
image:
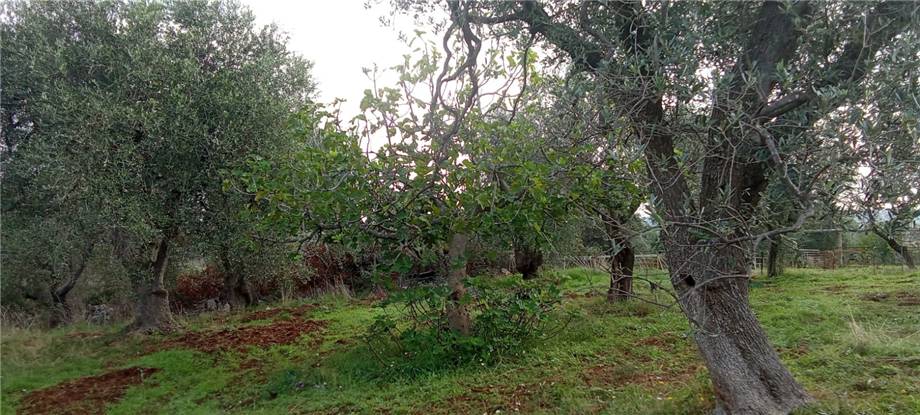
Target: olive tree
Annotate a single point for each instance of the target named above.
(708, 91)
(144, 105)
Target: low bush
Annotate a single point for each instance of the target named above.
(509, 315)
(195, 288)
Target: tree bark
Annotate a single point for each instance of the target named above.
(527, 260)
(152, 309)
(711, 278)
(747, 374)
(61, 313)
(458, 316)
(774, 259)
(621, 272)
(236, 290)
(901, 250)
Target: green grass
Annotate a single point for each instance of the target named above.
(856, 351)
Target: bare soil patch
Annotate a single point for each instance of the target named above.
(907, 298)
(87, 395)
(279, 332)
(904, 298)
(270, 314)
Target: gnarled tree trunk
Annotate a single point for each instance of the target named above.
(774, 259)
(236, 290)
(458, 315)
(622, 261)
(621, 273)
(61, 312)
(747, 374)
(527, 260)
(152, 309)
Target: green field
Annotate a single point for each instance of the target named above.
(851, 336)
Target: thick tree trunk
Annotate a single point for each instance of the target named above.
(747, 374)
(621, 272)
(236, 290)
(61, 312)
(774, 259)
(901, 250)
(527, 260)
(458, 316)
(152, 309)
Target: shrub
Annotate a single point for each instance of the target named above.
(509, 316)
(331, 267)
(195, 288)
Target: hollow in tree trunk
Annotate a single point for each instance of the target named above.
(527, 260)
(152, 309)
(747, 374)
(458, 316)
(621, 272)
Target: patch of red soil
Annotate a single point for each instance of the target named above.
(280, 332)
(193, 289)
(271, 313)
(88, 395)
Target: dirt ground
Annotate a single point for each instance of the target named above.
(91, 394)
(239, 339)
(271, 313)
(86, 395)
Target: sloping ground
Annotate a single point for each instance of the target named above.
(852, 337)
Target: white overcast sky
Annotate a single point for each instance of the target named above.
(340, 37)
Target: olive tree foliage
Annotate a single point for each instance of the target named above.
(885, 199)
(43, 261)
(885, 195)
(140, 107)
(712, 93)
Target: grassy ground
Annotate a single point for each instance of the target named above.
(851, 336)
